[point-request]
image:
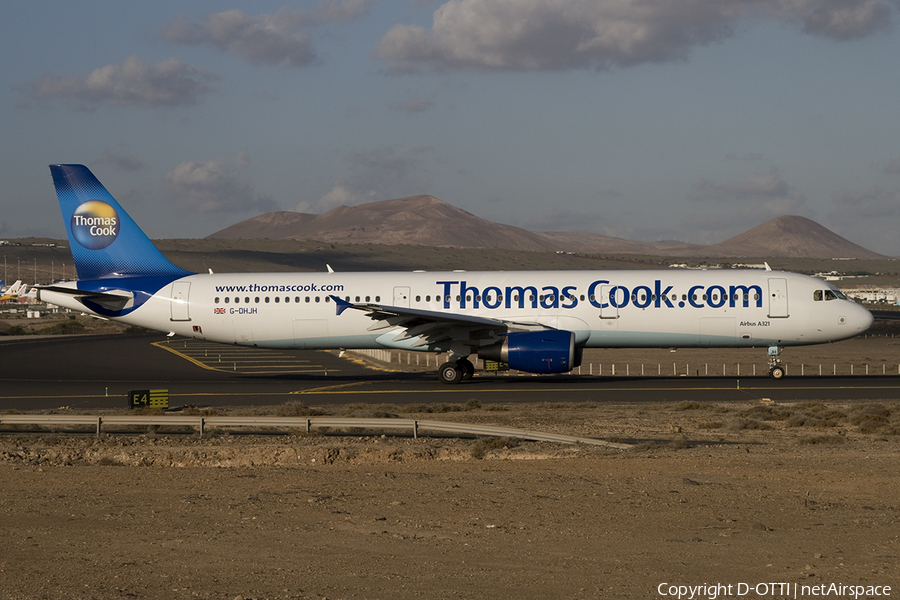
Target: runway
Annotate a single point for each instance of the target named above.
(88, 372)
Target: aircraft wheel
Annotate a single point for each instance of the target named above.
(468, 369)
(450, 373)
(776, 372)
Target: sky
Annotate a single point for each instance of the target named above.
(690, 120)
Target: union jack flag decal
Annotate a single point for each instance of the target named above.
(219, 311)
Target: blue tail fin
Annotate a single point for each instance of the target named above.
(105, 241)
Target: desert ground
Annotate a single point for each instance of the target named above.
(731, 493)
(749, 493)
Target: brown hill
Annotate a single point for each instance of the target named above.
(791, 236)
(277, 225)
(418, 220)
(427, 221)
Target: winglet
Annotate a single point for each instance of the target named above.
(340, 305)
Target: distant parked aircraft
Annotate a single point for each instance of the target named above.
(13, 291)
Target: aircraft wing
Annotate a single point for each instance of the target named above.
(432, 327)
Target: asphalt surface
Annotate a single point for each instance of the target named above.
(84, 372)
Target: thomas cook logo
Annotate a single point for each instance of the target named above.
(95, 225)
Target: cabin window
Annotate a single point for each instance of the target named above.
(357, 299)
(267, 299)
(297, 299)
(317, 298)
(469, 298)
(217, 299)
(307, 299)
(367, 298)
(582, 297)
(227, 300)
(237, 300)
(427, 298)
(418, 298)
(377, 298)
(756, 296)
(684, 296)
(327, 298)
(705, 297)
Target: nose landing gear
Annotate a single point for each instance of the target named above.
(776, 371)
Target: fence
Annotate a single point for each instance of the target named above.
(202, 423)
(674, 369)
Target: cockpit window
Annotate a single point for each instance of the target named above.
(830, 295)
(817, 295)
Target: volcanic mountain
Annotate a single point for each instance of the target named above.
(427, 221)
(418, 220)
(791, 236)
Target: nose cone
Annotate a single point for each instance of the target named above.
(860, 319)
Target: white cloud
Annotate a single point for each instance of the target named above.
(279, 39)
(598, 34)
(379, 174)
(131, 83)
(868, 217)
(215, 186)
(416, 105)
(125, 162)
(872, 203)
(744, 203)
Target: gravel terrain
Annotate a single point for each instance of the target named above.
(733, 493)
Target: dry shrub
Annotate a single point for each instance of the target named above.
(823, 440)
(688, 405)
(484, 445)
(295, 408)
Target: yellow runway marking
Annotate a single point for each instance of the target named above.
(463, 389)
(330, 389)
(241, 360)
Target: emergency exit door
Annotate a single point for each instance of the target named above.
(778, 297)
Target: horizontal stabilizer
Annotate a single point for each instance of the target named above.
(112, 300)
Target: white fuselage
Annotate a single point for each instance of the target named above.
(666, 308)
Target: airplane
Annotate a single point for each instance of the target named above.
(534, 321)
(13, 291)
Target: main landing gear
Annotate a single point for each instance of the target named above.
(776, 371)
(455, 371)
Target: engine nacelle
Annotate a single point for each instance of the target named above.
(536, 351)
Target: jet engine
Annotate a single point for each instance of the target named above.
(550, 351)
